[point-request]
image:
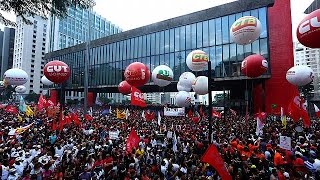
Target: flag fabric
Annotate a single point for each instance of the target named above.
(120, 114)
(294, 109)
(132, 141)
(283, 119)
(261, 121)
(212, 157)
(98, 102)
(20, 118)
(11, 109)
(174, 142)
(41, 103)
(159, 118)
(190, 113)
(149, 115)
(316, 109)
(22, 105)
(304, 114)
(105, 112)
(137, 98)
(29, 111)
(127, 114)
(88, 117)
(216, 114)
(143, 115)
(20, 130)
(61, 120)
(233, 112)
(196, 117)
(75, 118)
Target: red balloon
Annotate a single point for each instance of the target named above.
(308, 31)
(57, 71)
(124, 87)
(137, 74)
(254, 66)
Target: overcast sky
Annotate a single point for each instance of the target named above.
(129, 14)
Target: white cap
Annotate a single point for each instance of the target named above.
(285, 174)
(12, 170)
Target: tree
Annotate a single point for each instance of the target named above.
(42, 8)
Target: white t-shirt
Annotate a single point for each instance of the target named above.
(59, 151)
(316, 164)
(5, 172)
(19, 167)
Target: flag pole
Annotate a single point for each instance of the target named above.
(210, 102)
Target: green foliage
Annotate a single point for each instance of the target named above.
(43, 8)
(6, 93)
(32, 97)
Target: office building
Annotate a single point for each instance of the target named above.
(73, 29)
(29, 50)
(170, 41)
(7, 49)
(307, 56)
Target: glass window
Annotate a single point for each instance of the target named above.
(176, 69)
(225, 30)
(182, 38)
(212, 32)
(161, 42)
(218, 67)
(148, 45)
(144, 46)
(264, 48)
(199, 35)
(153, 44)
(218, 31)
(136, 47)
(140, 47)
(176, 39)
(205, 28)
(166, 41)
(162, 61)
(157, 43)
(171, 40)
(247, 50)
(194, 36)
(232, 19)
(131, 48)
(263, 20)
(256, 47)
(226, 62)
(121, 50)
(188, 37)
(240, 54)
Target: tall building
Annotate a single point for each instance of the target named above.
(29, 50)
(7, 49)
(307, 56)
(73, 29)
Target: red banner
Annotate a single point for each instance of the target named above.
(132, 141)
(53, 96)
(41, 103)
(149, 116)
(11, 109)
(212, 157)
(216, 114)
(137, 98)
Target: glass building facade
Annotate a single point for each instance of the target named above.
(169, 47)
(73, 29)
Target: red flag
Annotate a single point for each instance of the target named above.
(294, 109)
(75, 118)
(54, 125)
(137, 98)
(304, 114)
(61, 120)
(132, 141)
(262, 116)
(216, 114)
(67, 119)
(149, 116)
(42, 102)
(316, 109)
(190, 114)
(212, 157)
(88, 117)
(11, 109)
(201, 111)
(195, 119)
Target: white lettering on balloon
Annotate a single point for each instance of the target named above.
(306, 26)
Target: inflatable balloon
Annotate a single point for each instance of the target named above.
(137, 74)
(245, 30)
(162, 75)
(20, 89)
(16, 77)
(300, 75)
(186, 79)
(200, 85)
(46, 81)
(197, 60)
(308, 31)
(57, 71)
(254, 66)
(183, 88)
(183, 99)
(124, 87)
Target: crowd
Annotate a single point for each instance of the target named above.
(88, 152)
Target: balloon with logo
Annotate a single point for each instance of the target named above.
(245, 30)
(308, 31)
(124, 87)
(137, 74)
(186, 79)
(162, 75)
(197, 60)
(16, 77)
(300, 75)
(46, 81)
(20, 89)
(183, 88)
(57, 71)
(200, 85)
(183, 99)
(254, 66)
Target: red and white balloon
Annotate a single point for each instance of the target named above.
(245, 30)
(124, 87)
(197, 60)
(183, 99)
(254, 66)
(16, 77)
(200, 85)
(46, 81)
(57, 71)
(308, 31)
(300, 75)
(137, 74)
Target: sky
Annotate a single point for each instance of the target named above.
(130, 14)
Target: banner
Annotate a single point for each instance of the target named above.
(285, 142)
(212, 157)
(173, 111)
(113, 135)
(137, 98)
(132, 141)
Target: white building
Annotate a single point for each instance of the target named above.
(29, 50)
